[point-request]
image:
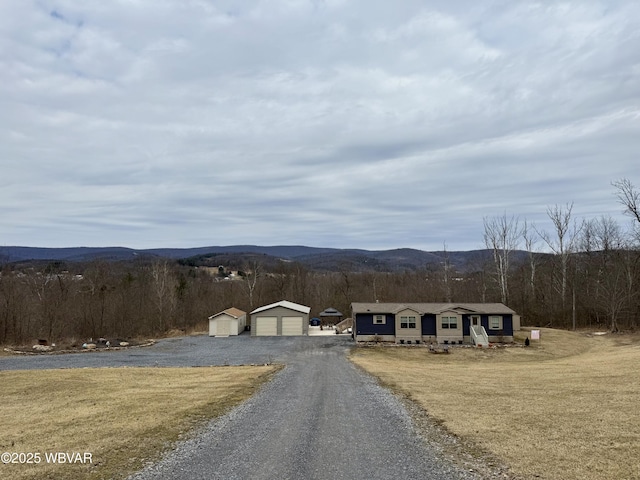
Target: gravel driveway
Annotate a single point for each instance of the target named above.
(320, 417)
(193, 351)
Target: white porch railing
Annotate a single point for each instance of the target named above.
(344, 324)
(479, 336)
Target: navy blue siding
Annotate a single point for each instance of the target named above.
(466, 325)
(365, 325)
(429, 325)
(507, 325)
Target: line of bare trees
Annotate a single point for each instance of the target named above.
(589, 276)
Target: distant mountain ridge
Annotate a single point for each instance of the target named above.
(315, 258)
(17, 253)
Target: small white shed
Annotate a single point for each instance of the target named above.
(228, 322)
(280, 319)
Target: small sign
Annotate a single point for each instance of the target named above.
(535, 334)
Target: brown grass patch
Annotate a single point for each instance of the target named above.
(122, 416)
(565, 408)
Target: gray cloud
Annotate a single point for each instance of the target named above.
(326, 123)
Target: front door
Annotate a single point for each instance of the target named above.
(475, 320)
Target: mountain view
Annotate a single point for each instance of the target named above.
(314, 258)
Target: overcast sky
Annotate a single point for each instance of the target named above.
(352, 124)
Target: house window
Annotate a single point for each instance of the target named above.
(495, 322)
(450, 322)
(407, 322)
(379, 319)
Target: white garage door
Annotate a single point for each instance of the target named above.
(266, 326)
(223, 327)
(291, 325)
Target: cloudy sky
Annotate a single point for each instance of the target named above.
(352, 124)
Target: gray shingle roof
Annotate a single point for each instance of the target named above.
(434, 308)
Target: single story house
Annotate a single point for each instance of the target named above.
(231, 321)
(445, 323)
(280, 318)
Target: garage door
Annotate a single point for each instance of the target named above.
(291, 325)
(266, 326)
(223, 327)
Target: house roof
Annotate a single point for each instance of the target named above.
(232, 312)
(330, 312)
(285, 304)
(435, 308)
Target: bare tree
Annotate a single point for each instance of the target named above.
(252, 273)
(447, 274)
(563, 243)
(501, 236)
(614, 283)
(13, 311)
(345, 285)
(164, 293)
(629, 197)
(530, 237)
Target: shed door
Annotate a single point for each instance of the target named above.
(291, 325)
(266, 326)
(224, 327)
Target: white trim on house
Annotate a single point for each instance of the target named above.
(285, 304)
(408, 325)
(495, 322)
(379, 319)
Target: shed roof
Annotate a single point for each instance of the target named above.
(232, 312)
(285, 304)
(330, 312)
(435, 308)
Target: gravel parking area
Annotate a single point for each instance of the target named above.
(196, 351)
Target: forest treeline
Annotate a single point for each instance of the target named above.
(588, 276)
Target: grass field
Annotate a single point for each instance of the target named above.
(122, 417)
(565, 408)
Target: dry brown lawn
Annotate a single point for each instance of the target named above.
(565, 408)
(122, 416)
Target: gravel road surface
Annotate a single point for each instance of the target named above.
(320, 417)
(193, 351)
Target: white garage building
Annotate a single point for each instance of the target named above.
(228, 322)
(280, 318)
